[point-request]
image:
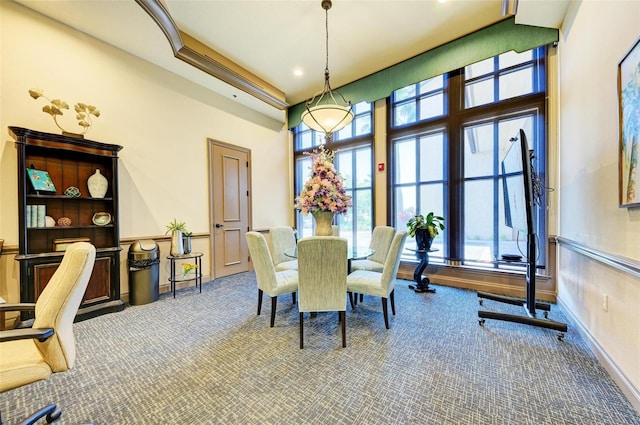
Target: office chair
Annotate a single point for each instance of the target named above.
(33, 354)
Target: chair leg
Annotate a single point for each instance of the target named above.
(343, 319)
(51, 414)
(361, 297)
(259, 301)
(301, 331)
(293, 297)
(393, 302)
(384, 312)
(274, 302)
(353, 306)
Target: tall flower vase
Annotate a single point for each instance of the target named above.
(186, 241)
(177, 247)
(323, 223)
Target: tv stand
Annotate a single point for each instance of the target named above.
(529, 303)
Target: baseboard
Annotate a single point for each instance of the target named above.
(627, 388)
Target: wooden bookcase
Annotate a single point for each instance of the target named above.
(70, 161)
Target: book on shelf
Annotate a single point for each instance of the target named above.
(41, 212)
(28, 215)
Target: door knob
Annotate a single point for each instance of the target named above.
(218, 225)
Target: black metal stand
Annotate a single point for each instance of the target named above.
(529, 303)
(422, 283)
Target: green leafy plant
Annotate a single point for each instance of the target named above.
(433, 223)
(176, 225)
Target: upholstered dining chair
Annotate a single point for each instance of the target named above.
(33, 354)
(270, 281)
(380, 243)
(322, 278)
(282, 238)
(379, 284)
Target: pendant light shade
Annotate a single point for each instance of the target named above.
(323, 112)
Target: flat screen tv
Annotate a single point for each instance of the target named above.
(517, 184)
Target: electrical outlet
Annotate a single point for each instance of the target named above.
(605, 302)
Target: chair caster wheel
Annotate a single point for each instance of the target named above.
(546, 314)
(54, 416)
(481, 322)
(480, 302)
(560, 336)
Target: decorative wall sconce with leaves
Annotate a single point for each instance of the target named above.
(84, 112)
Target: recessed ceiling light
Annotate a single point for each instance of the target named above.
(298, 72)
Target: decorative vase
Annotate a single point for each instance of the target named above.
(177, 247)
(423, 239)
(323, 223)
(97, 184)
(186, 242)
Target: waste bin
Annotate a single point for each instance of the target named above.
(144, 272)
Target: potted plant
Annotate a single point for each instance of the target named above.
(424, 228)
(176, 228)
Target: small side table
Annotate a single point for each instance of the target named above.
(422, 283)
(173, 278)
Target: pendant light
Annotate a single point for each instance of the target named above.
(326, 114)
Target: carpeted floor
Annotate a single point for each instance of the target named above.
(208, 359)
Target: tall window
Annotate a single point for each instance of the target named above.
(354, 160)
(447, 138)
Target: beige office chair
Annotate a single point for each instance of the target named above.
(33, 354)
(380, 243)
(322, 278)
(282, 238)
(379, 284)
(269, 281)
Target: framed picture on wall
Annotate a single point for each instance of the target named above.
(629, 110)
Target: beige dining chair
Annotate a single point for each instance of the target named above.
(282, 238)
(380, 243)
(269, 281)
(379, 284)
(33, 354)
(322, 278)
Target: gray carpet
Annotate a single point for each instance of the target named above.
(207, 359)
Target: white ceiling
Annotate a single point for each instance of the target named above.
(270, 38)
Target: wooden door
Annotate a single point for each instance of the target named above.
(230, 207)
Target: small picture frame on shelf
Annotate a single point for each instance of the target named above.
(62, 244)
(40, 180)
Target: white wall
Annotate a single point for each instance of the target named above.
(162, 121)
(594, 38)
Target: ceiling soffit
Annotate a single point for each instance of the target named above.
(197, 54)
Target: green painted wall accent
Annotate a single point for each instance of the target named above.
(486, 43)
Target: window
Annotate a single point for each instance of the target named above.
(354, 160)
(447, 138)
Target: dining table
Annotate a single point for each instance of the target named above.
(353, 253)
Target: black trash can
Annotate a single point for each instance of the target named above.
(144, 272)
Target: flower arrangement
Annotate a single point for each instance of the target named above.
(55, 107)
(186, 268)
(324, 191)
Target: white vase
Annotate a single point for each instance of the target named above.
(323, 223)
(97, 184)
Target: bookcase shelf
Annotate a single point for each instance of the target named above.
(68, 161)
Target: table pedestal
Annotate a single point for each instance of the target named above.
(422, 283)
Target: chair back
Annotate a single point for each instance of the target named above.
(58, 305)
(322, 274)
(262, 262)
(381, 242)
(392, 262)
(282, 238)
